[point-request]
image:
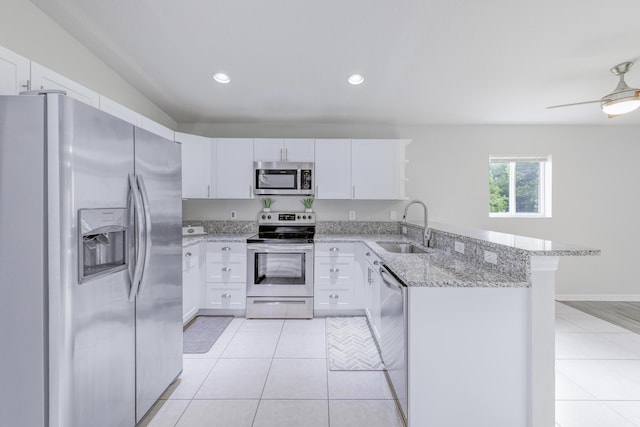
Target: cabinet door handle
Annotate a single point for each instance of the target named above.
(334, 249)
(226, 248)
(250, 192)
(375, 262)
(226, 269)
(226, 296)
(334, 296)
(334, 270)
(208, 190)
(188, 254)
(369, 274)
(368, 254)
(353, 192)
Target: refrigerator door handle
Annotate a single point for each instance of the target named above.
(147, 228)
(139, 247)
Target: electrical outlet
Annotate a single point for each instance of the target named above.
(233, 215)
(392, 215)
(352, 215)
(490, 257)
(459, 247)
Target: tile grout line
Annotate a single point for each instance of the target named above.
(255, 415)
(206, 376)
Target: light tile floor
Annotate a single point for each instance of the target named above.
(597, 372)
(265, 373)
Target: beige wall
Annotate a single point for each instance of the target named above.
(595, 199)
(27, 31)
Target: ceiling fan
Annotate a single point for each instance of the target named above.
(622, 100)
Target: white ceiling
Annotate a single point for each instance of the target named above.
(425, 61)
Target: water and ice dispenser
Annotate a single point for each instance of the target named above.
(102, 239)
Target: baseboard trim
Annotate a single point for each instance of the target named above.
(597, 297)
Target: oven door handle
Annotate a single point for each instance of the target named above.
(279, 247)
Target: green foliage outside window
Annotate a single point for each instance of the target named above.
(526, 186)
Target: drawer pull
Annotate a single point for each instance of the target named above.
(334, 296)
(188, 254)
(226, 296)
(334, 249)
(334, 270)
(368, 254)
(226, 249)
(375, 263)
(226, 269)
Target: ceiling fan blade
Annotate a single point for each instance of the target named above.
(575, 103)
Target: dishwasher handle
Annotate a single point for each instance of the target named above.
(390, 281)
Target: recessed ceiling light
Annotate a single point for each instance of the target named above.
(355, 79)
(221, 78)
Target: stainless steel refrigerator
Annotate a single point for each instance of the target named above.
(90, 265)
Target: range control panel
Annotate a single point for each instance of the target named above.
(283, 218)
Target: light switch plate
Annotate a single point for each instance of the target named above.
(352, 215)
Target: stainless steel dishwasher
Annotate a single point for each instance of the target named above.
(393, 335)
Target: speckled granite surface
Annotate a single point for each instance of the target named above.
(436, 268)
(216, 237)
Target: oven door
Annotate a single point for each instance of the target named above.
(279, 269)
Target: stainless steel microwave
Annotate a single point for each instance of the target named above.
(292, 178)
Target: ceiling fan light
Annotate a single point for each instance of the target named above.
(625, 105)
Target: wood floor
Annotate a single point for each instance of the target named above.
(624, 314)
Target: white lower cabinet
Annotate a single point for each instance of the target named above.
(192, 281)
(334, 274)
(372, 292)
(226, 275)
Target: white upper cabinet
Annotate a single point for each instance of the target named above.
(283, 150)
(14, 72)
(44, 78)
(157, 128)
(120, 111)
(234, 168)
(197, 178)
(378, 167)
(333, 169)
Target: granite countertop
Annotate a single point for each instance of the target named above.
(531, 245)
(436, 268)
(216, 237)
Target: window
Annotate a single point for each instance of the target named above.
(520, 187)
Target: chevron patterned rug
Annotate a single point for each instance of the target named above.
(351, 346)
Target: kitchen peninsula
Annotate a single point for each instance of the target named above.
(481, 313)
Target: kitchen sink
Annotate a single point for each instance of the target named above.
(402, 248)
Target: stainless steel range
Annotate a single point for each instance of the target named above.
(280, 266)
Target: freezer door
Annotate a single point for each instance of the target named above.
(159, 298)
(92, 335)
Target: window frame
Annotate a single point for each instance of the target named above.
(544, 186)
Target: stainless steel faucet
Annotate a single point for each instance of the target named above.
(427, 232)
